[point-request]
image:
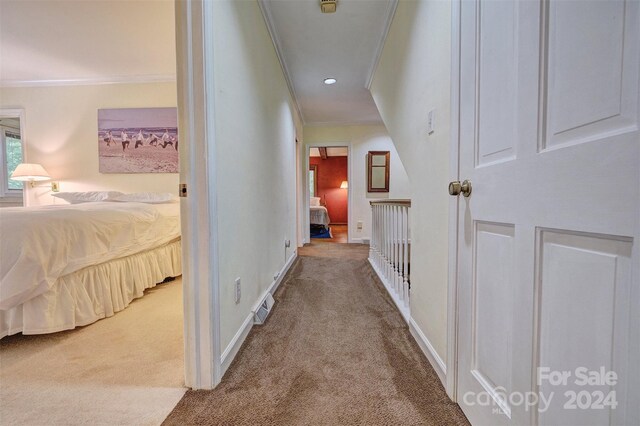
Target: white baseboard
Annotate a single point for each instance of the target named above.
(402, 308)
(363, 240)
(434, 359)
(276, 283)
(234, 346)
(427, 348)
(232, 349)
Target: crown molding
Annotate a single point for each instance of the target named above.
(391, 11)
(92, 81)
(345, 123)
(268, 19)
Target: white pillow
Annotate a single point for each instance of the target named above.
(86, 197)
(146, 197)
(315, 202)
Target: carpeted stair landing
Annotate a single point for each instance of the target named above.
(333, 351)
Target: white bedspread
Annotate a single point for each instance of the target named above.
(38, 245)
(319, 215)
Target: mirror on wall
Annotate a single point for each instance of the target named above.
(11, 154)
(313, 181)
(378, 171)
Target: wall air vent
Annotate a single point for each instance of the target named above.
(328, 6)
(260, 314)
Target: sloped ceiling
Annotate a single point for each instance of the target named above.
(92, 40)
(345, 45)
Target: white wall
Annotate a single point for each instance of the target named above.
(363, 139)
(87, 40)
(61, 134)
(412, 78)
(255, 131)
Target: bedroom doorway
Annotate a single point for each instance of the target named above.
(329, 194)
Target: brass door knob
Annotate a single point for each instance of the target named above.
(457, 188)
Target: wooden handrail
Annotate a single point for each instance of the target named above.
(391, 202)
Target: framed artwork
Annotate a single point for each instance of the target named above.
(378, 171)
(138, 140)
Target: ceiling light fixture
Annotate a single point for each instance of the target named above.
(330, 80)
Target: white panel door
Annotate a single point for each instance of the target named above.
(548, 241)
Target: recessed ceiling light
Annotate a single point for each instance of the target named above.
(330, 80)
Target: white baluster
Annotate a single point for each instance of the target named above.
(374, 233)
(374, 229)
(387, 243)
(384, 240)
(392, 248)
(399, 249)
(379, 222)
(380, 230)
(378, 238)
(396, 251)
(398, 277)
(371, 240)
(407, 260)
(390, 259)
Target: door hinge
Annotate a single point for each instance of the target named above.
(182, 190)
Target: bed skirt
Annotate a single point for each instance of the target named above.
(93, 293)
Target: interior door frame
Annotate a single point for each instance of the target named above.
(305, 179)
(451, 373)
(198, 211)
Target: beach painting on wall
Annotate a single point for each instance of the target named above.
(138, 140)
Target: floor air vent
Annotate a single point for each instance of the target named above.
(260, 315)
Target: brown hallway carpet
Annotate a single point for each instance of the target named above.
(334, 351)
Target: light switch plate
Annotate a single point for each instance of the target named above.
(237, 290)
(431, 121)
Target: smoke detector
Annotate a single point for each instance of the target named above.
(328, 6)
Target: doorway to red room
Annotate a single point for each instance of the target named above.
(329, 194)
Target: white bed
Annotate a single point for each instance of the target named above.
(319, 215)
(67, 266)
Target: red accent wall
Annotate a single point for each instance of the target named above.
(331, 172)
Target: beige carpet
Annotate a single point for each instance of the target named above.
(334, 351)
(123, 370)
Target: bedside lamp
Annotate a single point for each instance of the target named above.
(30, 172)
(344, 185)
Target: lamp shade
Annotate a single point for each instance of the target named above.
(30, 172)
(344, 185)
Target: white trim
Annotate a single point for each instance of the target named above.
(402, 308)
(427, 348)
(266, 14)
(92, 81)
(452, 287)
(194, 42)
(307, 210)
(377, 122)
(19, 113)
(391, 11)
(211, 185)
(234, 346)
